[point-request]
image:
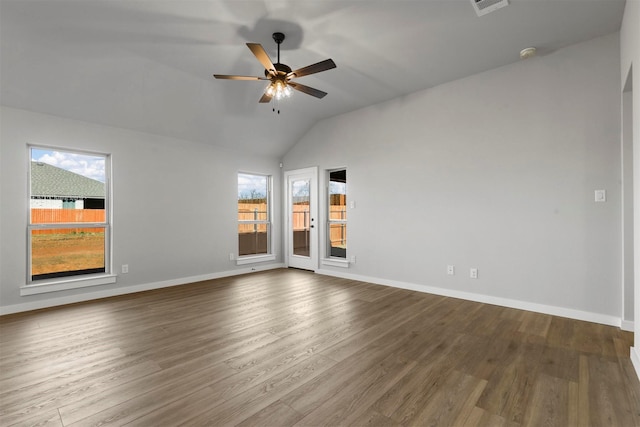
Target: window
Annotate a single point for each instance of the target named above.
(68, 231)
(254, 218)
(337, 215)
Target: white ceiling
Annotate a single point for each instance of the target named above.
(147, 65)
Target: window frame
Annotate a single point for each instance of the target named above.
(71, 281)
(331, 259)
(268, 222)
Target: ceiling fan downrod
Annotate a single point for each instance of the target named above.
(278, 38)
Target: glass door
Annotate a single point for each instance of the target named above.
(302, 218)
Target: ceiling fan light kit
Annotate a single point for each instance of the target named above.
(280, 75)
(278, 90)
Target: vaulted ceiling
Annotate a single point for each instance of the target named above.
(148, 65)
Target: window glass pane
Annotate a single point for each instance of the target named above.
(252, 197)
(253, 214)
(67, 188)
(253, 239)
(301, 216)
(338, 202)
(61, 252)
(338, 240)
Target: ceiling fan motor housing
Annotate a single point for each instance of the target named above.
(282, 69)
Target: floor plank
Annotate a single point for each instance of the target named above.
(289, 347)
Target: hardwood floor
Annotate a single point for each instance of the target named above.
(289, 347)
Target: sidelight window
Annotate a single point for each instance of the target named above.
(254, 218)
(337, 215)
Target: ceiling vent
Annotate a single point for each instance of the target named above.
(482, 7)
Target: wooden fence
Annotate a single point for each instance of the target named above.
(301, 218)
(57, 216)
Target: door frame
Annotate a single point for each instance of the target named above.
(313, 202)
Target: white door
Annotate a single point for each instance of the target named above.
(302, 218)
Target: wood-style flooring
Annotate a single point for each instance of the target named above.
(289, 347)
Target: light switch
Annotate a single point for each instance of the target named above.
(601, 195)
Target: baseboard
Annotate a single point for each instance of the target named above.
(635, 359)
(504, 302)
(53, 302)
(627, 325)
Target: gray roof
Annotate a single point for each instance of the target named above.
(51, 181)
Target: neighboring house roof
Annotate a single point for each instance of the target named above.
(51, 181)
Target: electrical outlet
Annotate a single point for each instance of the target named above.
(125, 268)
(353, 259)
(473, 273)
(231, 256)
(451, 270)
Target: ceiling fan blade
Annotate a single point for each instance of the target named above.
(262, 56)
(325, 65)
(308, 90)
(227, 77)
(265, 98)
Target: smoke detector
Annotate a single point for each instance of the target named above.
(482, 7)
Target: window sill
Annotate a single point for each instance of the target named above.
(255, 258)
(63, 285)
(334, 262)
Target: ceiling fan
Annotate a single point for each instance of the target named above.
(280, 75)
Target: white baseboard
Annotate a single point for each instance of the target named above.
(53, 302)
(635, 359)
(627, 325)
(504, 302)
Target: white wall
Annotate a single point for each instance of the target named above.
(496, 171)
(630, 57)
(158, 230)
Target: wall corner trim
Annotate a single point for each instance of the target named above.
(635, 359)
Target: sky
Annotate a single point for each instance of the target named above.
(337, 187)
(258, 184)
(248, 183)
(83, 164)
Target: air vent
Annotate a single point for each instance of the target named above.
(483, 7)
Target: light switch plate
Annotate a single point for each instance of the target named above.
(600, 195)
